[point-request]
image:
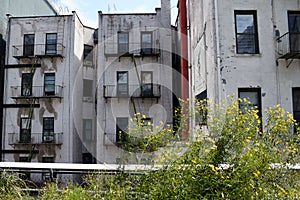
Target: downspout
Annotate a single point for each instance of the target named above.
(218, 58)
(184, 63)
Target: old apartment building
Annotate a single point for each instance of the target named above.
(47, 113)
(248, 49)
(134, 76)
(70, 90)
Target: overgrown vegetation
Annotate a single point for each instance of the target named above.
(235, 157)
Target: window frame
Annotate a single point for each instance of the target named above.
(28, 49)
(48, 133)
(295, 110)
(26, 88)
(87, 137)
(255, 34)
(121, 135)
(126, 44)
(119, 92)
(148, 93)
(49, 44)
(294, 36)
(25, 132)
(256, 90)
(47, 84)
(144, 50)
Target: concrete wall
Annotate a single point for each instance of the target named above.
(69, 71)
(222, 70)
(161, 66)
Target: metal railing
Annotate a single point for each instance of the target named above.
(50, 50)
(136, 91)
(113, 48)
(288, 45)
(37, 92)
(34, 138)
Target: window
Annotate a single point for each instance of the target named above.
(246, 32)
(25, 132)
(147, 84)
(87, 89)
(294, 29)
(121, 129)
(87, 129)
(28, 49)
(46, 175)
(253, 95)
(51, 42)
(48, 129)
(296, 104)
(88, 52)
(49, 84)
(123, 43)
(146, 42)
(87, 158)
(122, 86)
(24, 175)
(26, 89)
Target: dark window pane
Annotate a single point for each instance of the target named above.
(28, 45)
(296, 104)
(246, 32)
(49, 84)
(294, 29)
(88, 52)
(121, 129)
(26, 89)
(25, 132)
(48, 129)
(51, 40)
(253, 96)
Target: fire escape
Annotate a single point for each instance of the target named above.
(288, 45)
(28, 96)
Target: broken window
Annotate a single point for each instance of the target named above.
(122, 83)
(49, 84)
(246, 32)
(28, 49)
(147, 84)
(51, 42)
(146, 42)
(121, 129)
(48, 129)
(26, 89)
(123, 43)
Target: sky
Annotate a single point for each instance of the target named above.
(88, 9)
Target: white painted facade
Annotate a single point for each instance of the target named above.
(64, 104)
(111, 104)
(220, 70)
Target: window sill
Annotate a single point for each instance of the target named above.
(248, 55)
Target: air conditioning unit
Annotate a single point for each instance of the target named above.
(48, 139)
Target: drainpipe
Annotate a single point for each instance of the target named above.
(184, 62)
